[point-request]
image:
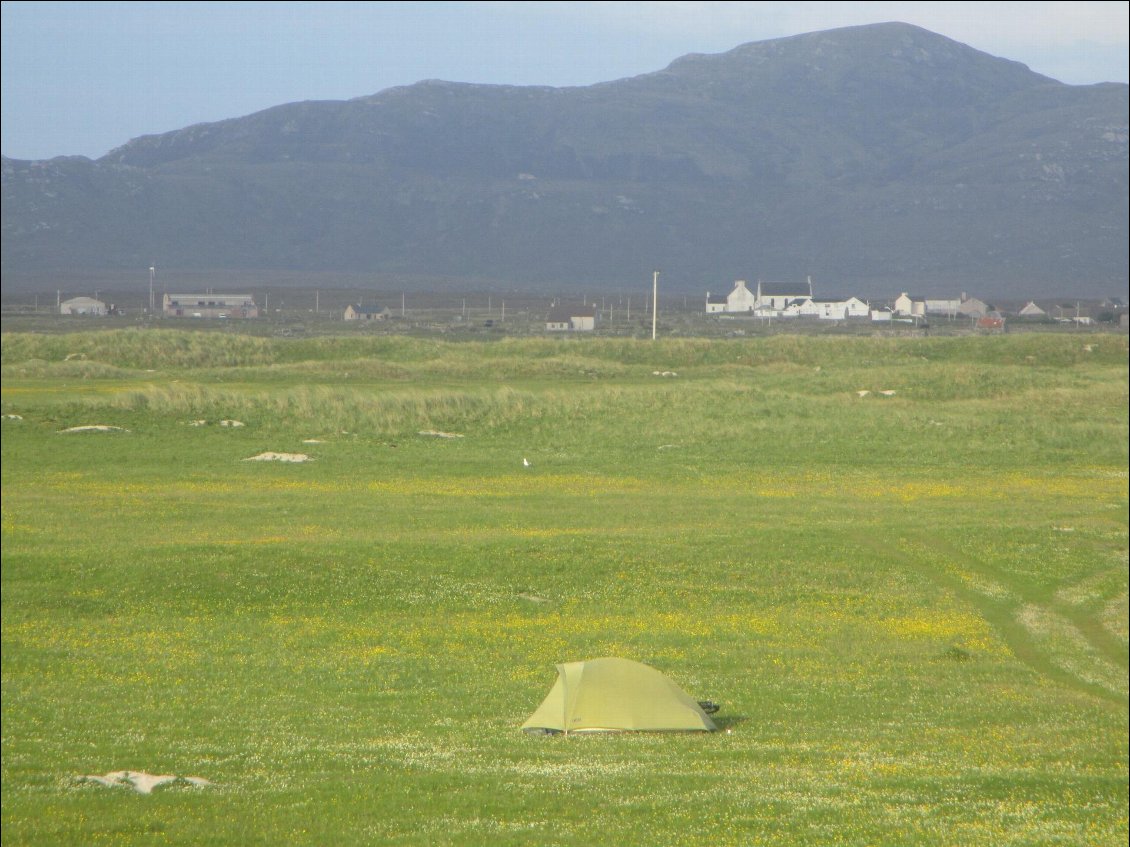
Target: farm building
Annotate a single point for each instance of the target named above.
(366, 313)
(571, 319)
(210, 306)
(82, 306)
(1031, 310)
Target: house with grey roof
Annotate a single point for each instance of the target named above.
(776, 296)
(833, 308)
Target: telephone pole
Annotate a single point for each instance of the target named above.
(654, 302)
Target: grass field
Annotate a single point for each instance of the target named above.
(911, 606)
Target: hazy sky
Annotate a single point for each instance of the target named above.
(82, 78)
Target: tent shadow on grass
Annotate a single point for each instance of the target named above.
(725, 722)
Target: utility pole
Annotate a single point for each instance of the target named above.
(152, 273)
(654, 302)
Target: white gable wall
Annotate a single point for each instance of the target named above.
(741, 299)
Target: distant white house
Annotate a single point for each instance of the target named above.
(783, 300)
(715, 303)
(880, 314)
(82, 306)
(740, 299)
(909, 305)
(776, 297)
(571, 319)
(210, 306)
(365, 313)
(832, 308)
(1032, 311)
(917, 306)
(947, 308)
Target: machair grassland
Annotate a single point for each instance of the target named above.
(912, 607)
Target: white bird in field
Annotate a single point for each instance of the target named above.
(525, 463)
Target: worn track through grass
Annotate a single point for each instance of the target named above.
(1017, 616)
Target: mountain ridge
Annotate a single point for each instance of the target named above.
(875, 157)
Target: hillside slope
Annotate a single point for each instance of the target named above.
(872, 158)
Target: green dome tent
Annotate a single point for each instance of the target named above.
(610, 695)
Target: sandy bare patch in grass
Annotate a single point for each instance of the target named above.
(141, 782)
(432, 433)
(278, 457)
(95, 428)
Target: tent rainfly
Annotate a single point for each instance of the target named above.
(612, 695)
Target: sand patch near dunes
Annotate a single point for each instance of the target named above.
(278, 457)
(141, 782)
